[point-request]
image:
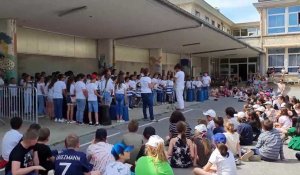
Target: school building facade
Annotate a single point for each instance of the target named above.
(39, 36)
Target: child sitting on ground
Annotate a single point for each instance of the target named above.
(43, 152)
(219, 125)
(202, 145)
(121, 152)
(295, 133)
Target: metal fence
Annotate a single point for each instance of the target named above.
(17, 101)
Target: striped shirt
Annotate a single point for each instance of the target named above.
(174, 132)
(270, 145)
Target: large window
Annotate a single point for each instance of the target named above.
(276, 58)
(294, 59)
(246, 32)
(284, 20)
(276, 20)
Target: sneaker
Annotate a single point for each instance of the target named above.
(122, 121)
(61, 120)
(97, 124)
(91, 124)
(71, 122)
(154, 120)
(238, 161)
(247, 155)
(145, 119)
(56, 120)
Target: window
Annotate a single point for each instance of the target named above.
(276, 21)
(219, 26)
(294, 14)
(276, 58)
(244, 32)
(197, 13)
(294, 59)
(213, 22)
(236, 32)
(284, 20)
(206, 19)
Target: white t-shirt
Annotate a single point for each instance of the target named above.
(285, 121)
(180, 79)
(9, 141)
(79, 87)
(132, 84)
(91, 88)
(109, 85)
(117, 168)
(206, 80)
(40, 88)
(121, 90)
(234, 121)
(58, 88)
(155, 82)
(72, 89)
(13, 89)
(231, 141)
(225, 165)
(145, 81)
(211, 125)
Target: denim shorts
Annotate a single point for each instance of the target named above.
(93, 106)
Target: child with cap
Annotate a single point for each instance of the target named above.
(202, 145)
(121, 152)
(156, 162)
(210, 115)
(221, 157)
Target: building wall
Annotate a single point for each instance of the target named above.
(30, 63)
(30, 41)
(253, 41)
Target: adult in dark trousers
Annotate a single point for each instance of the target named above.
(147, 95)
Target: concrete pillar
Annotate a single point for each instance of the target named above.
(8, 48)
(262, 64)
(155, 60)
(105, 53)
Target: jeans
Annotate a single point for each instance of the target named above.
(179, 97)
(93, 106)
(41, 105)
(80, 109)
(58, 107)
(130, 101)
(27, 103)
(107, 98)
(120, 104)
(148, 102)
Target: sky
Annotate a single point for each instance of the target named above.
(237, 10)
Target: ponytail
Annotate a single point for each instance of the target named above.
(206, 145)
(181, 129)
(223, 149)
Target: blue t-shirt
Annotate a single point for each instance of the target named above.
(71, 162)
(246, 134)
(218, 130)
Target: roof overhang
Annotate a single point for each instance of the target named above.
(135, 23)
(278, 3)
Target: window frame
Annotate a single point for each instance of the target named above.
(276, 54)
(297, 63)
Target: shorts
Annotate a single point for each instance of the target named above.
(93, 106)
(69, 100)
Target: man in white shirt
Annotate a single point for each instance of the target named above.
(11, 138)
(179, 86)
(59, 89)
(206, 80)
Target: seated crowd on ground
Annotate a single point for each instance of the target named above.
(216, 145)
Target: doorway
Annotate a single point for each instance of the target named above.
(243, 72)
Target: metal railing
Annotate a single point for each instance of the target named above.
(17, 101)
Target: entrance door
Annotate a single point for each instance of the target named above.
(243, 71)
(251, 69)
(234, 69)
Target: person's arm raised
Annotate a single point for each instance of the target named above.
(16, 170)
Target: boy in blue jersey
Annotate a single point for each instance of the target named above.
(71, 161)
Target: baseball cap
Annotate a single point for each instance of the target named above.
(240, 115)
(219, 138)
(268, 103)
(261, 109)
(93, 76)
(256, 106)
(154, 141)
(201, 128)
(120, 148)
(101, 134)
(210, 112)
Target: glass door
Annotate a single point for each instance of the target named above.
(234, 70)
(251, 70)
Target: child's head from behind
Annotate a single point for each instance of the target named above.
(155, 148)
(220, 142)
(72, 141)
(219, 121)
(30, 138)
(121, 151)
(148, 132)
(229, 127)
(16, 123)
(267, 125)
(133, 126)
(44, 134)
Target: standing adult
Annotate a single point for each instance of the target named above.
(81, 94)
(59, 89)
(179, 86)
(146, 92)
(107, 88)
(206, 80)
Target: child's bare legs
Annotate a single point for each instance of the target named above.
(71, 112)
(68, 112)
(90, 117)
(96, 118)
(200, 171)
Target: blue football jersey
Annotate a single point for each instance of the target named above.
(71, 162)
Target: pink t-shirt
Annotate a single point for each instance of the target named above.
(285, 121)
